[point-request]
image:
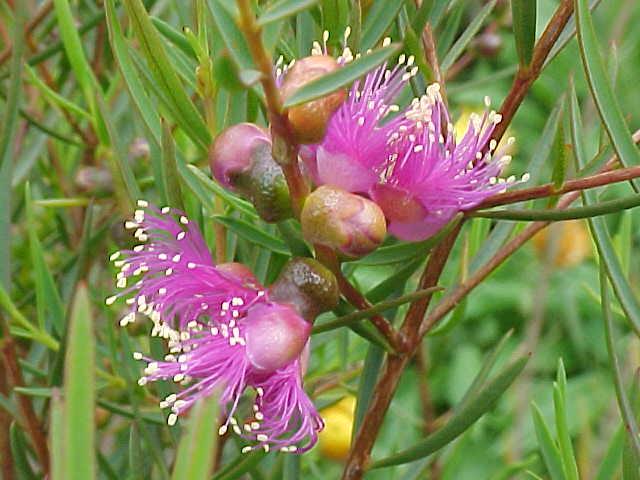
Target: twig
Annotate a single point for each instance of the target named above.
(395, 364)
(6, 460)
(285, 148)
(432, 58)
(32, 424)
(330, 260)
(547, 190)
(526, 75)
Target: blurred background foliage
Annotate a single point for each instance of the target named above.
(83, 141)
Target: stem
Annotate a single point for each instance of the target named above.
(526, 75)
(329, 258)
(285, 148)
(548, 190)
(354, 317)
(432, 58)
(32, 424)
(395, 364)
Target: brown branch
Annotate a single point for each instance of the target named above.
(431, 55)
(32, 424)
(395, 364)
(526, 75)
(285, 148)
(549, 189)
(6, 460)
(354, 297)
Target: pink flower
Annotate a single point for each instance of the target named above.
(358, 136)
(429, 176)
(224, 333)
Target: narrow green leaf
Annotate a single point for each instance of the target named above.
(253, 233)
(187, 116)
(368, 378)
(54, 97)
(233, 38)
(206, 189)
(413, 46)
(197, 447)
(19, 453)
(461, 420)
(7, 135)
(625, 406)
(137, 92)
(548, 448)
(381, 15)
(79, 392)
(623, 241)
(559, 156)
(601, 90)
(175, 37)
(56, 436)
(611, 462)
(422, 16)
(342, 76)
(47, 295)
(284, 9)
(136, 455)
(466, 37)
(169, 170)
(589, 211)
(562, 427)
(524, 28)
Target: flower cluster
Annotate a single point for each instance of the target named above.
(225, 333)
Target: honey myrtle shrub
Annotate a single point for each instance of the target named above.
(224, 330)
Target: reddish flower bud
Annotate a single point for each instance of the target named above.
(230, 153)
(346, 222)
(309, 120)
(275, 334)
(241, 161)
(307, 285)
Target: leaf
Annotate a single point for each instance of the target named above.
(368, 378)
(284, 9)
(198, 445)
(56, 436)
(169, 170)
(79, 392)
(468, 34)
(461, 420)
(253, 233)
(175, 37)
(341, 77)
(600, 87)
(19, 453)
(380, 16)
(624, 405)
(233, 38)
(562, 427)
(559, 156)
(137, 92)
(611, 461)
(47, 295)
(182, 108)
(203, 188)
(589, 211)
(524, 28)
(548, 447)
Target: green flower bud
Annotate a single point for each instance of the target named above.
(241, 161)
(343, 221)
(308, 285)
(309, 120)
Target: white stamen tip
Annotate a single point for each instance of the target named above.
(173, 418)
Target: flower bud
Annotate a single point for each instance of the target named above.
(309, 120)
(241, 161)
(275, 334)
(349, 223)
(307, 285)
(489, 44)
(96, 181)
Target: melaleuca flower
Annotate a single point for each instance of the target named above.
(225, 333)
(429, 177)
(358, 135)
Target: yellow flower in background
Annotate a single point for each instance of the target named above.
(335, 439)
(573, 243)
(462, 123)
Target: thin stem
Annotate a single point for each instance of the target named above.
(526, 75)
(285, 148)
(32, 424)
(354, 317)
(548, 190)
(395, 364)
(431, 55)
(329, 258)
